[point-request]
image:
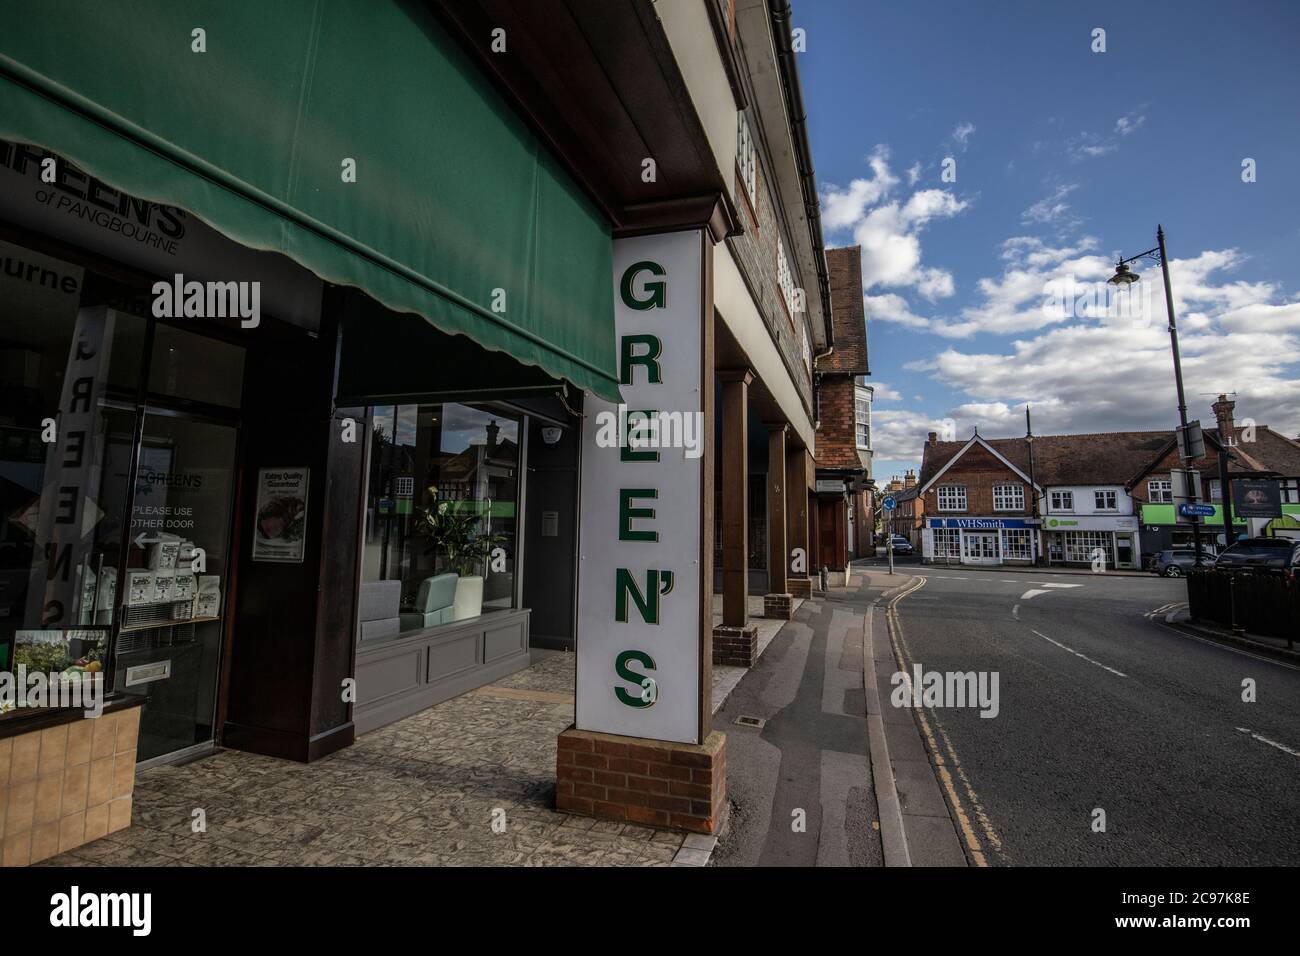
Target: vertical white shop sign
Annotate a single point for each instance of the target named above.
(70, 492)
(639, 614)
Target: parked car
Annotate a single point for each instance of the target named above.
(902, 545)
(1175, 562)
(1251, 554)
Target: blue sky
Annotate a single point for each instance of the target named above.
(978, 290)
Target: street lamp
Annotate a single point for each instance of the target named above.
(1125, 277)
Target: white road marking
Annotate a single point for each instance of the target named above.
(1032, 592)
(1271, 743)
(1015, 611)
(1062, 585)
(1077, 654)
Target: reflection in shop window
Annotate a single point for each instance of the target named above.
(441, 509)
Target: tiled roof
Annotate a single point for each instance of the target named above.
(1115, 458)
(1108, 458)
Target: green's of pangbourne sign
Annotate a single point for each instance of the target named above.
(639, 593)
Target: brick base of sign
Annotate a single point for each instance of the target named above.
(655, 782)
(735, 646)
(780, 606)
(800, 587)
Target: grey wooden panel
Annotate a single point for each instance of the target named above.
(384, 676)
(454, 656)
(502, 641)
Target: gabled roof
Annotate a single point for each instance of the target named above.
(1104, 458)
(930, 474)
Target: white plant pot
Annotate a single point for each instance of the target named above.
(469, 598)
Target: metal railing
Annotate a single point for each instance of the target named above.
(1260, 601)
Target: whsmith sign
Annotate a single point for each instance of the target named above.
(639, 579)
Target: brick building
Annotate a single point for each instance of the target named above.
(840, 517)
(1254, 451)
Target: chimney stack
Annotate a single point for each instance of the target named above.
(493, 430)
(1223, 415)
(933, 437)
(909, 480)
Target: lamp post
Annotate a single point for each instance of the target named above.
(1125, 277)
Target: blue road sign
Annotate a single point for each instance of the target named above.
(888, 502)
(1196, 510)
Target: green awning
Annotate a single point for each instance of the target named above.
(454, 196)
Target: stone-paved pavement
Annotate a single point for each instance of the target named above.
(419, 792)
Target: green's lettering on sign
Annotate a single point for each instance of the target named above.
(657, 290)
(637, 423)
(641, 699)
(657, 585)
(630, 358)
(627, 514)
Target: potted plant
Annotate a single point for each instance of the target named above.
(457, 535)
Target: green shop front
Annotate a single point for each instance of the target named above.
(1161, 528)
(295, 325)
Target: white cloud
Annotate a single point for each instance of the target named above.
(841, 208)
(888, 230)
(1097, 374)
(891, 307)
(1052, 208)
(884, 392)
(913, 173)
(962, 134)
(1130, 123)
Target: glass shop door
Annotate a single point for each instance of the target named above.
(169, 640)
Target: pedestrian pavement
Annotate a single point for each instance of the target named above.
(726, 676)
(469, 782)
(1180, 618)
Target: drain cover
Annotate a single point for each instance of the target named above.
(751, 721)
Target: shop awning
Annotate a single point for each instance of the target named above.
(454, 197)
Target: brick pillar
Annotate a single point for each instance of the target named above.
(796, 513)
(736, 640)
(656, 782)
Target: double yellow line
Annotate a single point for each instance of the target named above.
(976, 851)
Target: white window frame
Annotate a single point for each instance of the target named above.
(954, 492)
(1160, 491)
(1062, 500)
(1079, 545)
(947, 542)
(1100, 496)
(747, 160)
(1009, 496)
(1216, 490)
(784, 277)
(862, 418)
(1290, 488)
(1016, 544)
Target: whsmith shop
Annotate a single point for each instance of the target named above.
(296, 328)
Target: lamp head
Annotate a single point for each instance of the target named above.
(1123, 276)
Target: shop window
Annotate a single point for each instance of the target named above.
(952, 497)
(1106, 500)
(65, 454)
(1080, 545)
(1008, 497)
(1160, 491)
(1062, 500)
(441, 516)
(1216, 490)
(1015, 544)
(947, 543)
(189, 366)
